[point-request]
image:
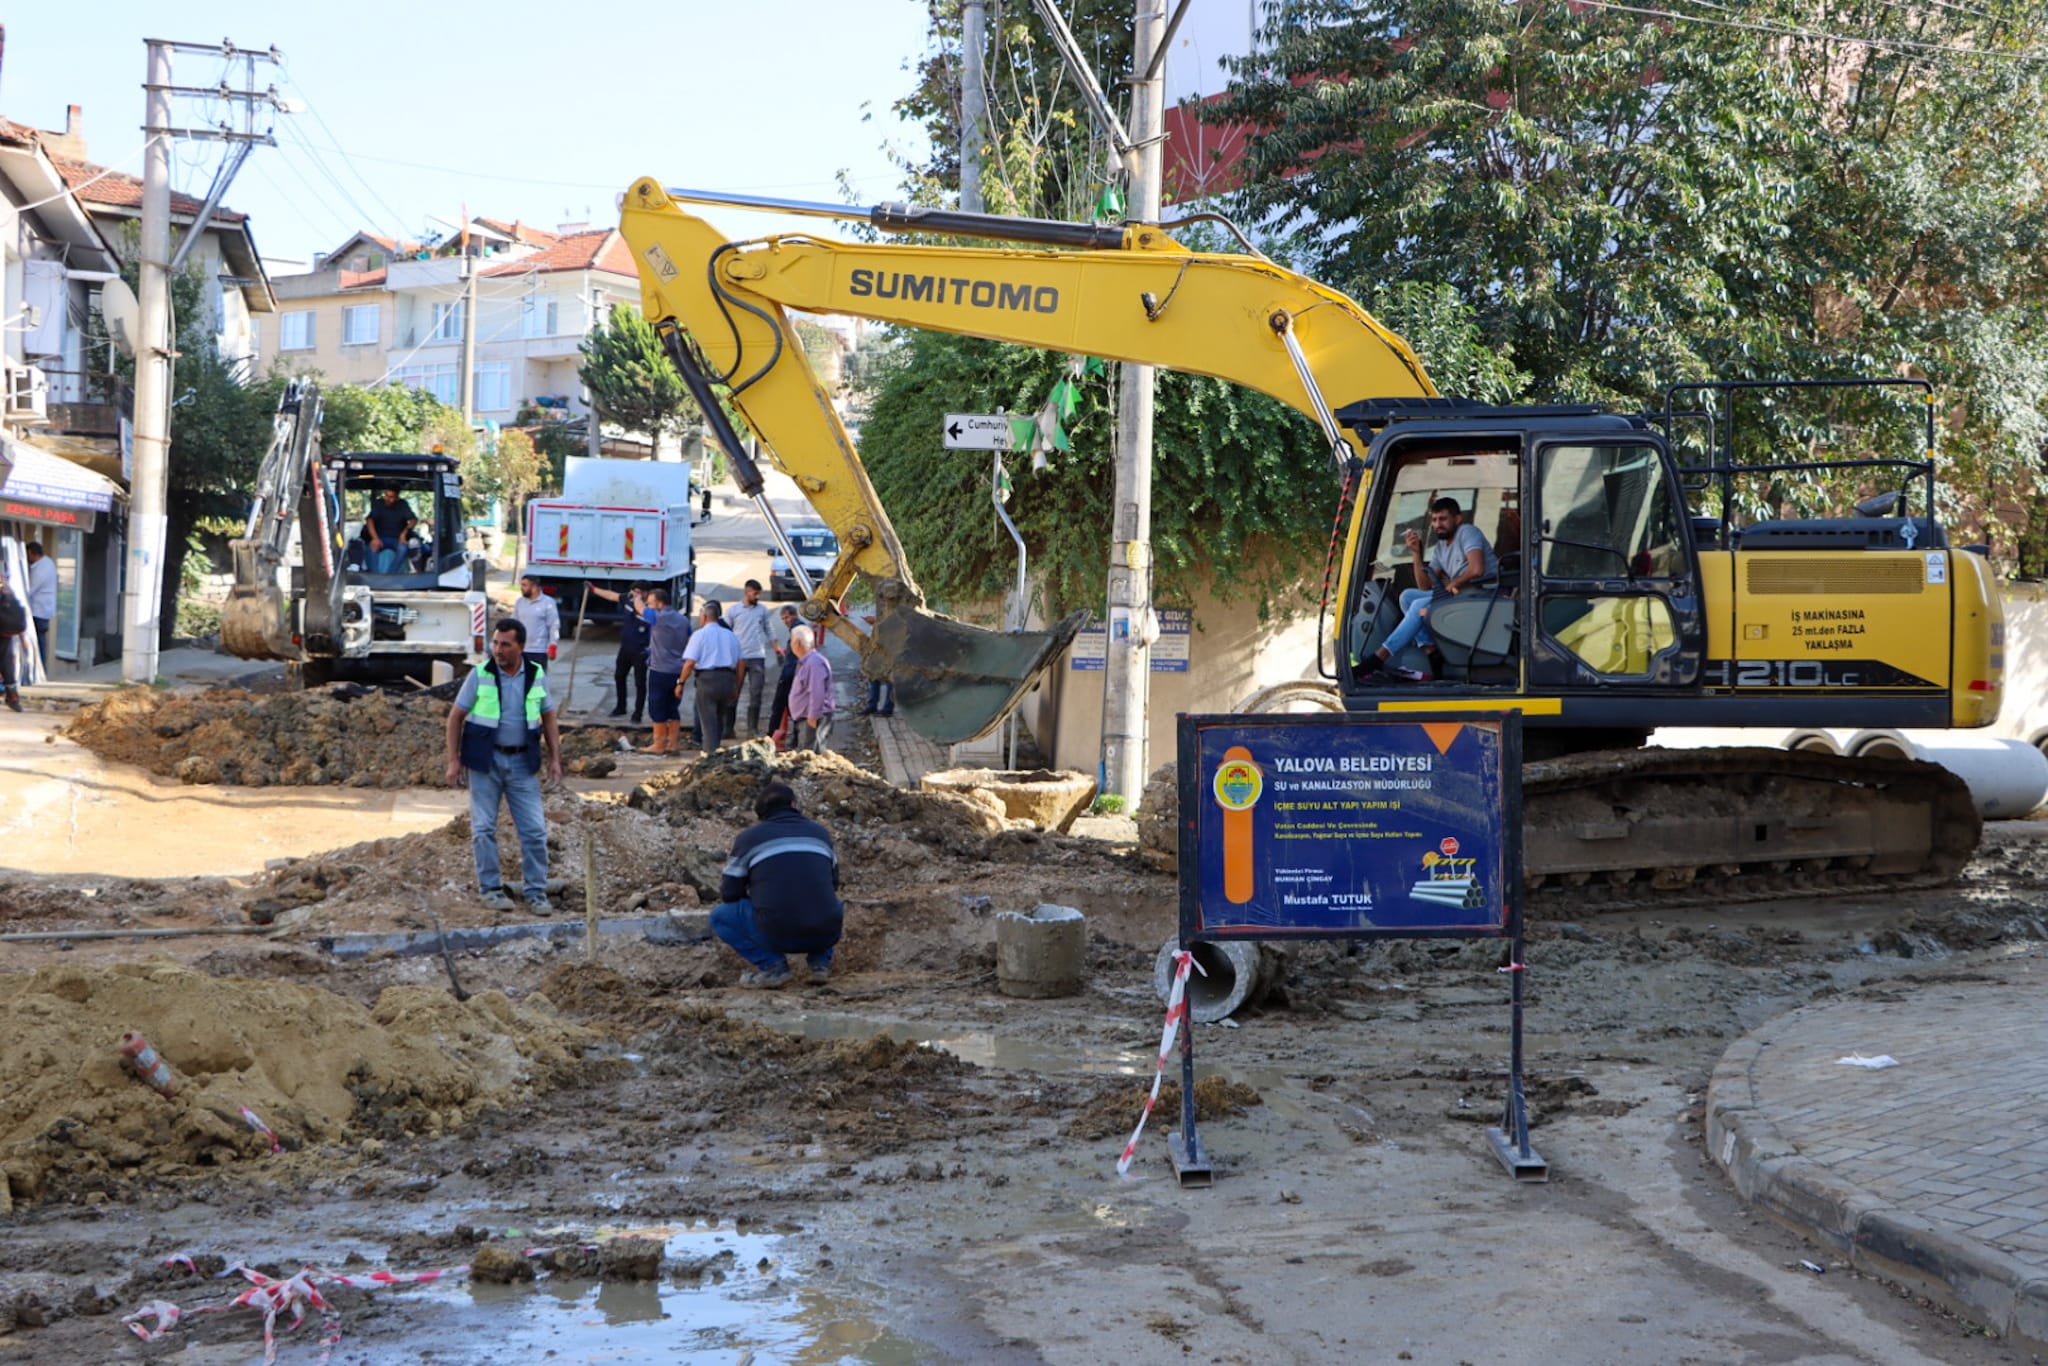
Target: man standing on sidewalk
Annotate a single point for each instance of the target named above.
(502, 721)
(749, 621)
(810, 697)
(779, 893)
(541, 618)
(713, 656)
(42, 598)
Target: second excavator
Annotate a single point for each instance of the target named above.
(1610, 604)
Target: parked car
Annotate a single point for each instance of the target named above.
(816, 549)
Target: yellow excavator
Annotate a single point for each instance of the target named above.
(1607, 607)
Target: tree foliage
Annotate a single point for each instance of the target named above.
(1241, 498)
(1626, 202)
(387, 417)
(631, 381)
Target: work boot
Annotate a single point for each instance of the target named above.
(14, 699)
(619, 710)
(540, 905)
(820, 970)
(496, 900)
(756, 979)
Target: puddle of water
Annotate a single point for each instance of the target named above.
(740, 1307)
(983, 1048)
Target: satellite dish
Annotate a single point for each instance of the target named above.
(117, 306)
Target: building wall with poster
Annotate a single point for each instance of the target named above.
(1210, 656)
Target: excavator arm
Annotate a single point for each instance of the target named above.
(1131, 293)
(258, 621)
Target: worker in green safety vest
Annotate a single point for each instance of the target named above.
(501, 727)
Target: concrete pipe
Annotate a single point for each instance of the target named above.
(1882, 744)
(1722, 737)
(1041, 954)
(1813, 742)
(2007, 779)
(1228, 977)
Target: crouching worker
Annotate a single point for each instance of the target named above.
(780, 893)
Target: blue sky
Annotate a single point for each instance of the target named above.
(540, 111)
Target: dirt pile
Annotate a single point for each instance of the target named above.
(829, 788)
(342, 738)
(400, 883)
(315, 1066)
(1116, 1109)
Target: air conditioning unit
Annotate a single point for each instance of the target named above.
(28, 393)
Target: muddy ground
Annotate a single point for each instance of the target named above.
(904, 1164)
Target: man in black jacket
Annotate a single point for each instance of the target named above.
(780, 893)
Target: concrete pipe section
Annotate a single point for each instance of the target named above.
(2008, 779)
(1041, 954)
(1049, 799)
(1228, 977)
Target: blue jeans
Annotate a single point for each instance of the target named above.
(733, 921)
(1414, 627)
(881, 698)
(507, 778)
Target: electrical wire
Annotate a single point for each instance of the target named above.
(320, 118)
(111, 169)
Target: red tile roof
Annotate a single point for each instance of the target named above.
(98, 185)
(362, 279)
(599, 249)
(19, 134)
(520, 232)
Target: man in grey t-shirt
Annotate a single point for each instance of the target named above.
(1458, 558)
(749, 621)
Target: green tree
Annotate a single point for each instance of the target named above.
(631, 380)
(1242, 488)
(505, 471)
(386, 417)
(1627, 202)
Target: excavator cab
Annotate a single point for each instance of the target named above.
(1590, 581)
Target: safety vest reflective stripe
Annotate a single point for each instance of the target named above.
(487, 699)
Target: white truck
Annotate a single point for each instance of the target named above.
(618, 523)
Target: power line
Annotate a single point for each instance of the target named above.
(314, 108)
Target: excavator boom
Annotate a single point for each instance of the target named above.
(1117, 293)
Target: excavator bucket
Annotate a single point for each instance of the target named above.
(953, 681)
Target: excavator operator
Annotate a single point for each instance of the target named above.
(1458, 558)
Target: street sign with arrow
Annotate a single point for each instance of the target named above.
(979, 432)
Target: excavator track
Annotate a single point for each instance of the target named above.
(1615, 830)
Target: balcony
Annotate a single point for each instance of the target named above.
(88, 402)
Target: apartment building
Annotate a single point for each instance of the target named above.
(377, 310)
(65, 428)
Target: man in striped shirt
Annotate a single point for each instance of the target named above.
(780, 893)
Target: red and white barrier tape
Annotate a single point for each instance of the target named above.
(1176, 1014)
(260, 1127)
(273, 1297)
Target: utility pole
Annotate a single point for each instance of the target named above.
(1127, 677)
(142, 598)
(469, 273)
(594, 436)
(973, 100)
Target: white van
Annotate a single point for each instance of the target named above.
(816, 550)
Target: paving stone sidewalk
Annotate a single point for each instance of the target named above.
(906, 755)
(1932, 1174)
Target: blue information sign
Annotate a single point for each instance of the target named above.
(1397, 825)
(1349, 826)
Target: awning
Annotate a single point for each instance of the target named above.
(36, 476)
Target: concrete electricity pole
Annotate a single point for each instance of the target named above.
(973, 99)
(142, 602)
(1126, 678)
(469, 273)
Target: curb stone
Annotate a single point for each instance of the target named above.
(1962, 1274)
